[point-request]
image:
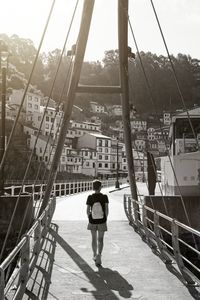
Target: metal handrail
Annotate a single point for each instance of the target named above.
(27, 250)
(25, 253)
(59, 188)
(168, 252)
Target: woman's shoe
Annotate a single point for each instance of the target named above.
(98, 260)
(95, 257)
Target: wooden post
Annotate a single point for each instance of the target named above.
(3, 134)
(123, 60)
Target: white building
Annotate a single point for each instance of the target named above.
(97, 108)
(31, 102)
(89, 166)
(140, 144)
(116, 110)
(116, 157)
(166, 118)
(50, 121)
(138, 125)
(151, 134)
(139, 159)
(42, 148)
(88, 126)
(102, 145)
(73, 161)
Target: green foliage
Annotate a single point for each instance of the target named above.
(163, 93)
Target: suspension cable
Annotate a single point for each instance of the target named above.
(152, 101)
(55, 138)
(26, 89)
(39, 130)
(55, 77)
(16, 120)
(189, 119)
(175, 74)
(151, 97)
(173, 170)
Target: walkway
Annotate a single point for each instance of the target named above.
(130, 269)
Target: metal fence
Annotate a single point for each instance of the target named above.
(23, 257)
(175, 242)
(59, 189)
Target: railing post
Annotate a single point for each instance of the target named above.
(131, 212)
(24, 270)
(2, 284)
(44, 224)
(37, 238)
(135, 210)
(161, 246)
(177, 253)
(126, 206)
(65, 188)
(144, 222)
(12, 190)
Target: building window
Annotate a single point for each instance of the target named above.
(100, 165)
(100, 143)
(106, 143)
(106, 157)
(100, 156)
(106, 165)
(47, 118)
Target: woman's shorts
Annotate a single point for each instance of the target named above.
(99, 227)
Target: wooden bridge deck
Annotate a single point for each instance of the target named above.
(65, 269)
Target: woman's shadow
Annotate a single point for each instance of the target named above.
(104, 281)
(115, 281)
(111, 280)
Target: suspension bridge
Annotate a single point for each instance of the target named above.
(56, 256)
(151, 252)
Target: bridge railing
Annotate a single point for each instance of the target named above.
(22, 259)
(59, 189)
(174, 241)
(24, 256)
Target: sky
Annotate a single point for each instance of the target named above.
(180, 21)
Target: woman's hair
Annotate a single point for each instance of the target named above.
(96, 184)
